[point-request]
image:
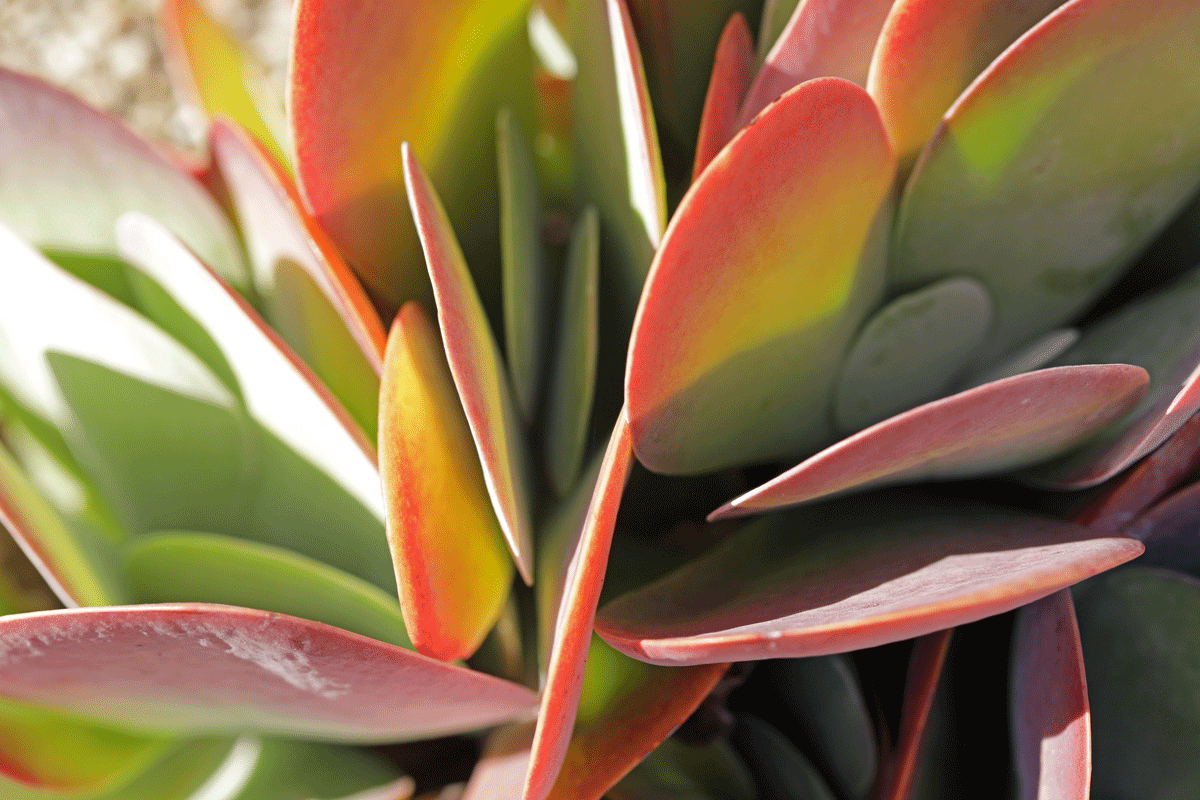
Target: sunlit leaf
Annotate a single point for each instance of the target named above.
(732, 70)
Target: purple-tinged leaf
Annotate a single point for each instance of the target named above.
(1141, 647)
(924, 672)
(1050, 722)
(823, 38)
(733, 67)
(477, 367)
(500, 772)
(70, 171)
(1162, 334)
(1153, 477)
(1170, 529)
(773, 251)
(577, 610)
(852, 574)
(993, 428)
(195, 669)
(309, 294)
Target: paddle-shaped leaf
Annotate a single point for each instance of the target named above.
(1170, 529)
(1029, 188)
(779, 769)
(823, 38)
(218, 74)
(452, 566)
(733, 67)
(194, 669)
(853, 574)
(1162, 334)
(208, 568)
(1050, 724)
(572, 629)
(924, 672)
(368, 76)
(308, 293)
(1141, 647)
(33, 741)
(713, 379)
(69, 171)
(616, 148)
(477, 367)
(500, 772)
(930, 50)
(993, 428)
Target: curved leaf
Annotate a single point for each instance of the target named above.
(477, 367)
(853, 574)
(990, 429)
(452, 566)
(1050, 723)
(195, 669)
(1029, 188)
(712, 377)
(732, 70)
(780, 770)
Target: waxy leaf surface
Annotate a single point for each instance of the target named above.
(218, 74)
(823, 38)
(924, 672)
(1170, 529)
(69, 172)
(477, 367)
(1162, 334)
(1141, 647)
(1027, 185)
(586, 562)
(194, 669)
(853, 574)
(1051, 728)
(930, 50)
(733, 68)
(993, 428)
(309, 294)
(369, 76)
(713, 378)
(452, 566)
(500, 772)
(780, 771)
(675, 770)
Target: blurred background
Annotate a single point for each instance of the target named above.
(107, 52)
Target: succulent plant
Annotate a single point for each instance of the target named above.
(347, 493)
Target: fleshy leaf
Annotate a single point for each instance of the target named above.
(853, 574)
(1153, 477)
(733, 67)
(524, 271)
(675, 771)
(477, 367)
(930, 50)
(1141, 648)
(285, 770)
(1050, 721)
(1027, 185)
(924, 672)
(568, 417)
(572, 630)
(823, 38)
(1170, 529)
(1035, 355)
(626, 709)
(713, 378)
(500, 772)
(775, 17)
(279, 392)
(309, 294)
(1162, 334)
(33, 742)
(211, 66)
(452, 566)
(780, 770)
(990, 429)
(69, 171)
(910, 351)
(428, 72)
(209, 568)
(616, 146)
(194, 669)
(824, 696)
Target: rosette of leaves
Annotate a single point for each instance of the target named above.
(341, 437)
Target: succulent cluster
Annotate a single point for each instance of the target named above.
(483, 412)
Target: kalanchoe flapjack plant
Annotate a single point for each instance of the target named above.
(909, 258)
